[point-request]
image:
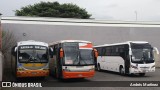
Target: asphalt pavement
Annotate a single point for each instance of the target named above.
(101, 81)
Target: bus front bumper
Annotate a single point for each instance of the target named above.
(33, 73)
(67, 74)
(139, 70)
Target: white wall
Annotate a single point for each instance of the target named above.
(96, 33)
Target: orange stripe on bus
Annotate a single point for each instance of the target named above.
(89, 45)
(34, 64)
(32, 73)
(67, 74)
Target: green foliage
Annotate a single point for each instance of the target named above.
(3, 33)
(53, 9)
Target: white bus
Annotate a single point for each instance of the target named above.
(30, 59)
(131, 57)
(72, 59)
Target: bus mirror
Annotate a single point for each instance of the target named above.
(156, 53)
(130, 52)
(156, 50)
(61, 53)
(51, 49)
(15, 50)
(96, 53)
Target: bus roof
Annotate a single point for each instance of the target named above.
(63, 41)
(127, 42)
(32, 42)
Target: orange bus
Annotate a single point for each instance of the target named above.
(72, 59)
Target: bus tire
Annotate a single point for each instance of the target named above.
(55, 73)
(98, 67)
(141, 74)
(121, 70)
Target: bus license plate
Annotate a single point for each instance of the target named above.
(79, 66)
(80, 75)
(33, 72)
(144, 70)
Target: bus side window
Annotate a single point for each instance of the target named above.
(103, 51)
(99, 51)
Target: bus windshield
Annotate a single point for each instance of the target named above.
(86, 56)
(76, 56)
(142, 54)
(71, 55)
(33, 54)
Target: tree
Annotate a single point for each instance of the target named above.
(53, 9)
(8, 41)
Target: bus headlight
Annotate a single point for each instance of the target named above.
(91, 68)
(46, 69)
(20, 69)
(135, 67)
(66, 69)
(153, 66)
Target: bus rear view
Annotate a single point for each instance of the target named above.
(73, 59)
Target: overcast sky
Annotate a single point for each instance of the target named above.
(147, 10)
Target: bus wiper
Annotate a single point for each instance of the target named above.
(39, 58)
(31, 58)
(82, 59)
(77, 59)
(143, 58)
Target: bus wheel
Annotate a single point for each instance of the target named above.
(141, 74)
(98, 67)
(121, 70)
(56, 73)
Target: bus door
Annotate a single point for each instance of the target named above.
(58, 62)
(127, 61)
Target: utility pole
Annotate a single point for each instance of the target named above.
(136, 14)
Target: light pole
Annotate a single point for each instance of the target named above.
(136, 14)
